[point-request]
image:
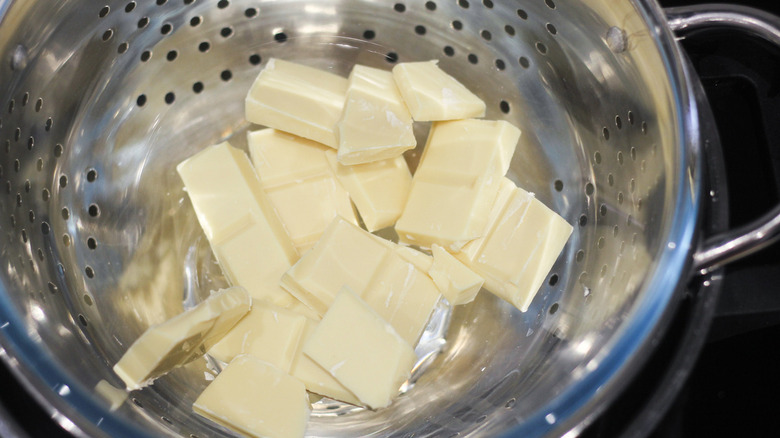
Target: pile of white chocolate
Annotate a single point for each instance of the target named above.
(319, 304)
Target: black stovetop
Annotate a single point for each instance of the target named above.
(734, 388)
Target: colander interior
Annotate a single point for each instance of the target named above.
(100, 101)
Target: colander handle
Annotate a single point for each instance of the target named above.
(740, 242)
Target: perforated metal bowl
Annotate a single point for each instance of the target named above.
(100, 101)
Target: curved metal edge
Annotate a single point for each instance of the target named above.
(743, 241)
(650, 318)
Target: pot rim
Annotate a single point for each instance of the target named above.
(581, 403)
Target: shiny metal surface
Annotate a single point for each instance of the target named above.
(743, 241)
(99, 102)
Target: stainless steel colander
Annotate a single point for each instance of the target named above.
(100, 101)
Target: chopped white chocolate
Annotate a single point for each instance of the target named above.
(417, 258)
(181, 339)
(431, 94)
(456, 281)
(267, 332)
(344, 255)
(375, 125)
(298, 99)
(111, 394)
(371, 266)
(361, 350)
(379, 189)
(298, 179)
(256, 399)
(316, 379)
(522, 241)
(456, 182)
(237, 218)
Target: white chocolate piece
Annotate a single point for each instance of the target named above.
(378, 189)
(267, 332)
(298, 179)
(237, 218)
(523, 240)
(419, 259)
(361, 350)
(297, 99)
(431, 94)
(456, 182)
(375, 125)
(181, 339)
(111, 394)
(344, 255)
(371, 266)
(314, 377)
(256, 399)
(304, 310)
(456, 281)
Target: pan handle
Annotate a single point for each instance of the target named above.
(740, 242)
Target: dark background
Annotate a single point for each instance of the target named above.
(734, 388)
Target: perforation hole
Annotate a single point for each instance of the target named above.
(146, 55)
(143, 22)
(255, 59)
(65, 213)
(486, 35)
(204, 46)
(63, 181)
(449, 51)
(391, 57)
(524, 62)
(522, 14)
(89, 271)
(580, 256)
(509, 30)
(473, 58)
(166, 28)
(420, 29)
(463, 4)
(279, 37)
(250, 12)
(195, 21)
(504, 107)
(399, 7)
(222, 4)
(197, 87)
(170, 97)
(91, 175)
(500, 64)
(82, 320)
(122, 48)
(457, 25)
(104, 11)
(108, 34)
(550, 4)
(558, 185)
(431, 6)
(551, 28)
(369, 34)
(88, 300)
(171, 55)
(129, 7)
(541, 48)
(94, 210)
(92, 243)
